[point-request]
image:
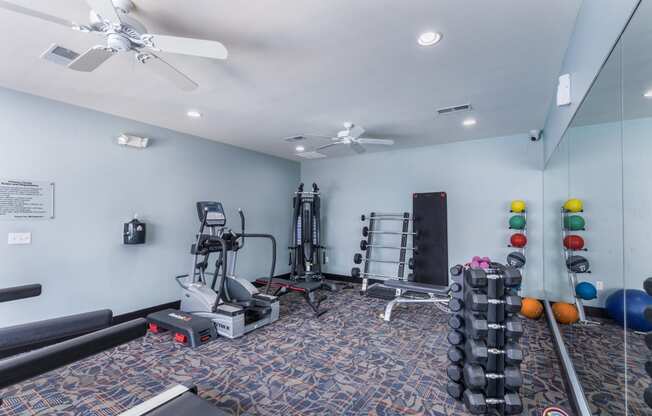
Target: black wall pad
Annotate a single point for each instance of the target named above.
(19, 292)
(142, 313)
(25, 366)
(429, 211)
(26, 337)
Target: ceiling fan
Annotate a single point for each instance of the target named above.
(123, 33)
(350, 136)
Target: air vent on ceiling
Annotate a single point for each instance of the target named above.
(454, 109)
(311, 155)
(59, 55)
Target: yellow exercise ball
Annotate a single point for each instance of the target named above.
(518, 205)
(531, 308)
(573, 205)
(565, 313)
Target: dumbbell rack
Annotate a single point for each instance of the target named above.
(647, 394)
(521, 250)
(378, 290)
(485, 355)
(572, 276)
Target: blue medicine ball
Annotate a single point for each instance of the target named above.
(586, 291)
(637, 301)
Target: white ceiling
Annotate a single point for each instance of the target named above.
(306, 66)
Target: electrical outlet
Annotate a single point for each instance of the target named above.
(599, 285)
(19, 238)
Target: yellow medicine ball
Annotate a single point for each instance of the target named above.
(518, 205)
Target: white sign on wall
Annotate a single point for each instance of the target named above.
(26, 200)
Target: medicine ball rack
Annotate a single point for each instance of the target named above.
(485, 355)
(371, 231)
(521, 250)
(572, 276)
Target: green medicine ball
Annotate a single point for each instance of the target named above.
(574, 222)
(517, 222)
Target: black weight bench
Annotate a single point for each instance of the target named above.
(430, 294)
(307, 288)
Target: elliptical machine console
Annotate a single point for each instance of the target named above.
(233, 304)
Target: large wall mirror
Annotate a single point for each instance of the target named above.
(598, 222)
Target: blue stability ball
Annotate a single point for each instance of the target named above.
(637, 300)
(586, 291)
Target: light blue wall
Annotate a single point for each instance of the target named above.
(598, 26)
(78, 256)
(481, 178)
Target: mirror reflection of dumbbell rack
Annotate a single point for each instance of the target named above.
(370, 246)
(523, 231)
(572, 276)
(647, 394)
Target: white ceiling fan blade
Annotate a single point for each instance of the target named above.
(105, 9)
(91, 59)
(357, 147)
(318, 136)
(365, 140)
(328, 145)
(187, 46)
(39, 15)
(356, 131)
(167, 71)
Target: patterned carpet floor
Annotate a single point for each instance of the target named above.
(598, 354)
(348, 362)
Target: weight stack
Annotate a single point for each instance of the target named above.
(485, 355)
(647, 395)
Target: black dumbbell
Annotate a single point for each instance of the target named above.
(456, 321)
(647, 396)
(476, 351)
(476, 378)
(512, 326)
(355, 272)
(477, 403)
(476, 278)
(455, 355)
(477, 301)
(456, 270)
(455, 390)
(512, 352)
(455, 338)
(511, 276)
(647, 285)
(455, 304)
(476, 328)
(454, 373)
(357, 258)
(455, 287)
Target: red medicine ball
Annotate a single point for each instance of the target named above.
(518, 240)
(574, 242)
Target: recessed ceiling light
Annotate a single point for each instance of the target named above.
(429, 38)
(469, 122)
(648, 94)
(193, 114)
(299, 148)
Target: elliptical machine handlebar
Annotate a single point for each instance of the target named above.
(242, 226)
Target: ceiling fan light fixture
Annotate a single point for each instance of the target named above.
(469, 122)
(647, 94)
(429, 38)
(193, 114)
(299, 149)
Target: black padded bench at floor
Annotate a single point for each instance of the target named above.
(414, 292)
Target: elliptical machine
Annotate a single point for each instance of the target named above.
(233, 304)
